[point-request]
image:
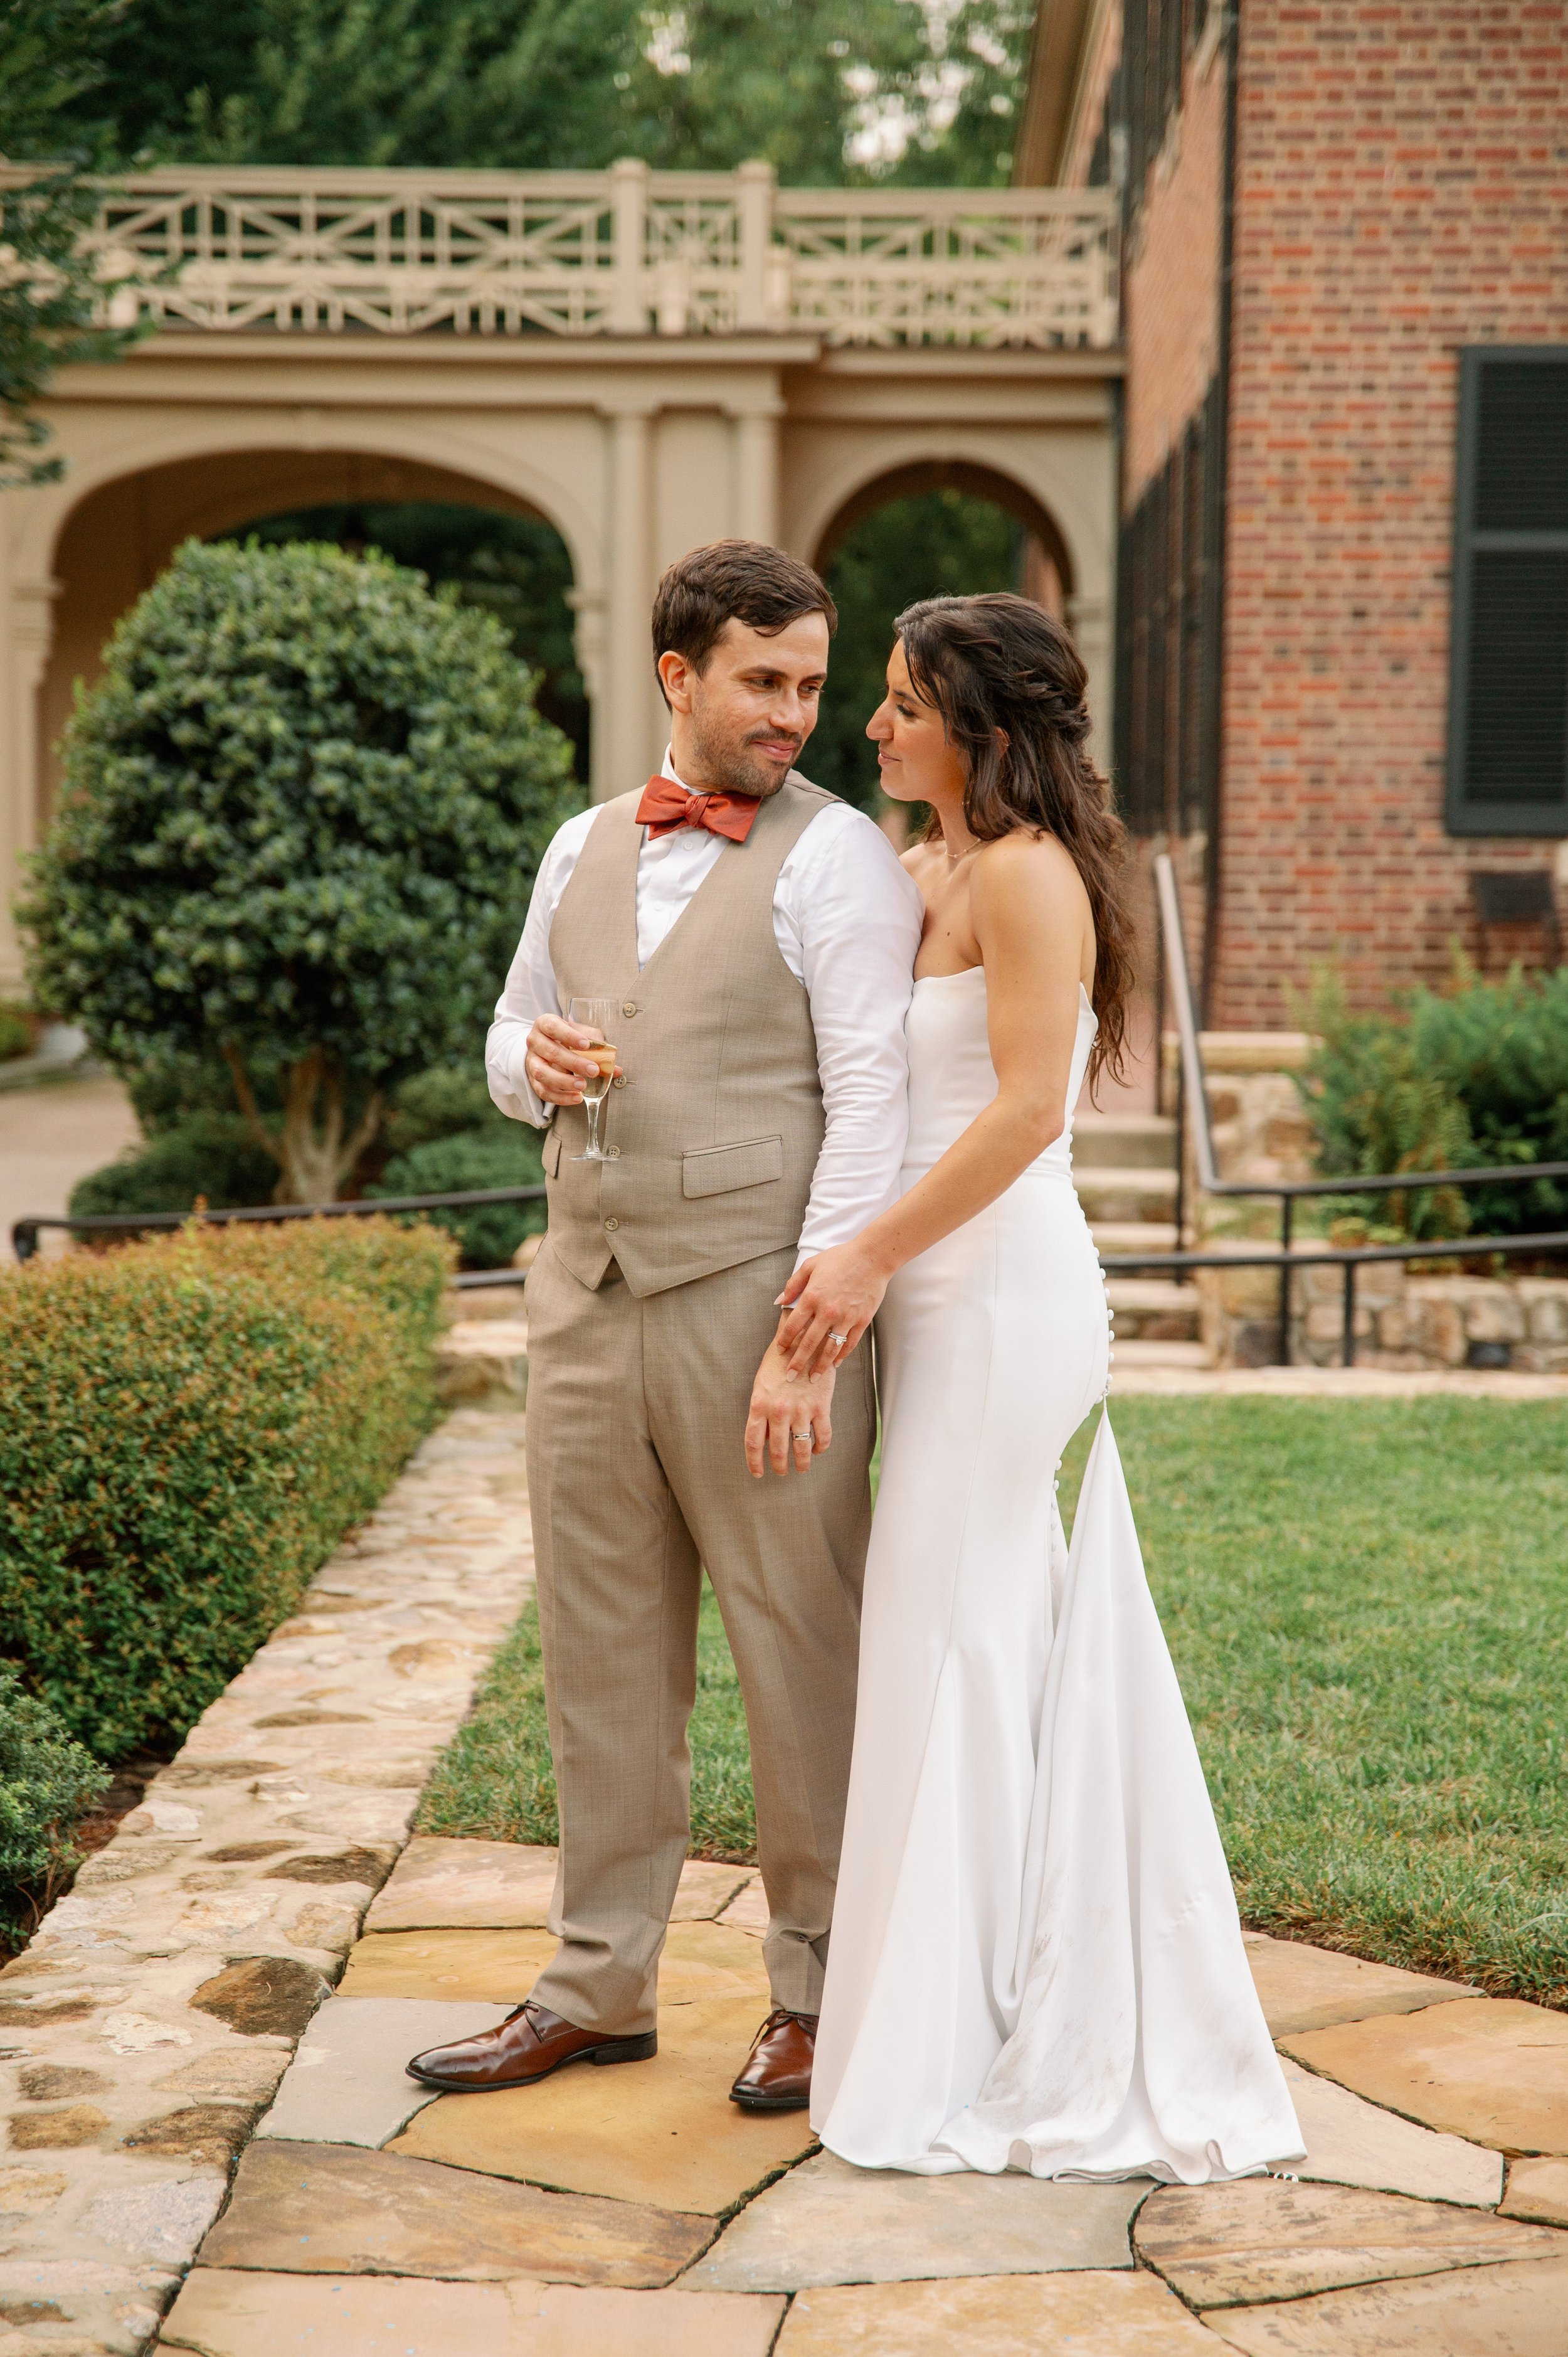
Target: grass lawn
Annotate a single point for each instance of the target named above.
(1367, 1607)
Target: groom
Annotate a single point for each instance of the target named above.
(757, 937)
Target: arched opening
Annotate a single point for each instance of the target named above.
(499, 549)
(939, 527)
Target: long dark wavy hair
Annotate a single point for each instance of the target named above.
(1009, 684)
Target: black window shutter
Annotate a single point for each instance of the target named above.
(1507, 714)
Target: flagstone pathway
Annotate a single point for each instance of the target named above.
(636, 2213)
(638, 2210)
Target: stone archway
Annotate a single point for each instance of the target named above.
(114, 542)
(1048, 564)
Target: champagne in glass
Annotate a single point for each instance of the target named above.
(595, 1015)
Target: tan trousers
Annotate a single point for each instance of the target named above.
(636, 1412)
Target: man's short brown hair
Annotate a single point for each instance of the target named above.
(745, 580)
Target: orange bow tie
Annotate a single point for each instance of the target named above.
(665, 806)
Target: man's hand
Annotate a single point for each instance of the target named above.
(791, 1416)
(555, 1067)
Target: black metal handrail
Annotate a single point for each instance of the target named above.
(24, 1232)
(1193, 1093)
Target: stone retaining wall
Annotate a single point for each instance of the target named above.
(1403, 1322)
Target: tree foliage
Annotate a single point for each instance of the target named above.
(51, 61)
(47, 1779)
(821, 87)
(303, 810)
(1474, 1078)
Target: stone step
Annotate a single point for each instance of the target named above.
(1135, 1356)
(1130, 1194)
(1153, 1309)
(1133, 1235)
(1125, 1141)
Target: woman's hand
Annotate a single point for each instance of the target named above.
(790, 1419)
(831, 1301)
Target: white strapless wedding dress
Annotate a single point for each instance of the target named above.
(1035, 1962)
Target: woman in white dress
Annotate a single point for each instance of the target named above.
(1036, 1962)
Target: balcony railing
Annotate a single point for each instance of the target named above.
(622, 252)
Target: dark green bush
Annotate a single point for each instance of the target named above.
(1473, 1079)
(47, 1779)
(505, 1156)
(188, 1426)
(15, 1032)
(212, 1154)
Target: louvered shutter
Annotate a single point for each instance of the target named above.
(1508, 717)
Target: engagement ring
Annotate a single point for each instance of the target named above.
(839, 1339)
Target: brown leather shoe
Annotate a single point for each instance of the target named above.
(778, 2074)
(528, 2045)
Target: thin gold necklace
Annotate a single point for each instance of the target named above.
(955, 858)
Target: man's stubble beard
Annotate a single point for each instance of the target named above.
(728, 764)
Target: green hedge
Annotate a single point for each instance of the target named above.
(47, 1779)
(212, 1154)
(489, 1233)
(1475, 1077)
(188, 1426)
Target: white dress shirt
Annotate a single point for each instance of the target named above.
(847, 918)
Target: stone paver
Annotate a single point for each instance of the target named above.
(1301, 1987)
(225, 2312)
(700, 1960)
(1538, 2189)
(1496, 2072)
(1222, 2245)
(1352, 2142)
(318, 2210)
(828, 2223)
(170, 1985)
(347, 2084)
(1001, 2316)
(440, 1884)
(1516, 2310)
(661, 2132)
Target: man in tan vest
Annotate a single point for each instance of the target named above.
(757, 939)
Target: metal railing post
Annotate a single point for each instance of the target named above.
(1347, 1353)
(1287, 1222)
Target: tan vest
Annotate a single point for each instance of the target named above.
(717, 1128)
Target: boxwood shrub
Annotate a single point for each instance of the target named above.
(188, 1426)
(47, 1779)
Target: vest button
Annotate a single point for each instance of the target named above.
(627, 1007)
(612, 1223)
(619, 1082)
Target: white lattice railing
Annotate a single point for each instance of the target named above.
(624, 252)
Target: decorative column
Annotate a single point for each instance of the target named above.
(22, 655)
(1088, 619)
(626, 728)
(756, 467)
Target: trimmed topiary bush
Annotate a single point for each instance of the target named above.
(303, 810)
(47, 1779)
(188, 1426)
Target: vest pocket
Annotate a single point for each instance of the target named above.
(716, 1169)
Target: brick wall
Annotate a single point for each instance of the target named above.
(1401, 190)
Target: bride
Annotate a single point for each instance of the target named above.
(1036, 1962)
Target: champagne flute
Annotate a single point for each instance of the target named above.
(595, 1015)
